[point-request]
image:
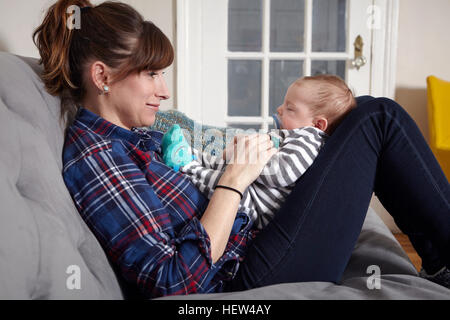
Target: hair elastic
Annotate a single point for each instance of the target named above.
(85, 8)
(229, 188)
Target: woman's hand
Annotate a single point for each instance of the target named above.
(246, 156)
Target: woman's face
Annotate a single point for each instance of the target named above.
(134, 101)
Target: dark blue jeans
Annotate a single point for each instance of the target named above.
(377, 148)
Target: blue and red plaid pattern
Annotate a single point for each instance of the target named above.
(145, 215)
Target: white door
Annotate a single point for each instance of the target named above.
(236, 58)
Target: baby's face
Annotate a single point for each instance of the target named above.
(295, 112)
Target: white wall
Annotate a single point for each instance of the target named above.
(423, 49)
(19, 18)
(17, 21)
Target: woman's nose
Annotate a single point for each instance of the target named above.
(163, 91)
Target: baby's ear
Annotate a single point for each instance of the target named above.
(321, 123)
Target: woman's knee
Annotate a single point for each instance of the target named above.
(372, 110)
(382, 106)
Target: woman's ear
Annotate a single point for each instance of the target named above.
(99, 74)
(321, 123)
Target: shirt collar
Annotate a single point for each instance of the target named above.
(137, 136)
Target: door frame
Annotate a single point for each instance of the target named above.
(382, 18)
(384, 53)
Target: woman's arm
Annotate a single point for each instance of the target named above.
(248, 158)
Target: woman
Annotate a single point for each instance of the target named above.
(158, 230)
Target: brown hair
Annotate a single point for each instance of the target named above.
(111, 32)
(333, 98)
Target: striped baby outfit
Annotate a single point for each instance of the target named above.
(264, 197)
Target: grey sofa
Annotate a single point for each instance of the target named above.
(47, 252)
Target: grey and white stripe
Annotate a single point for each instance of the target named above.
(264, 197)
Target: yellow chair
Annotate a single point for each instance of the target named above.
(438, 92)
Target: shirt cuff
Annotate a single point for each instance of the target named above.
(193, 239)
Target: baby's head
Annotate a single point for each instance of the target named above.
(320, 101)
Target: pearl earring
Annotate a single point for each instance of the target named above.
(105, 89)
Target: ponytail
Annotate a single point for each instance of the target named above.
(53, 39)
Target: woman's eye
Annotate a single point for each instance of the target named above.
(154, 74)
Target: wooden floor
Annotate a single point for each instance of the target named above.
(407, 246)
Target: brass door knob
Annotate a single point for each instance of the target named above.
(359, 59)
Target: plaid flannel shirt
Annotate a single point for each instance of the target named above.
(145, 215)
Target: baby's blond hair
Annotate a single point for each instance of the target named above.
(333, 99)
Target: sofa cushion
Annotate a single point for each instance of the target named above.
(45, 247)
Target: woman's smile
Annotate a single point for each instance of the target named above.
(153, 106)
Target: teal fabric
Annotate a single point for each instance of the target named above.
(175, 148)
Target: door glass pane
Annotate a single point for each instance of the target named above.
(328, 67)
(244, 87)
(287, 25)
(328, 30)
(245, 25)
(282, 74)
